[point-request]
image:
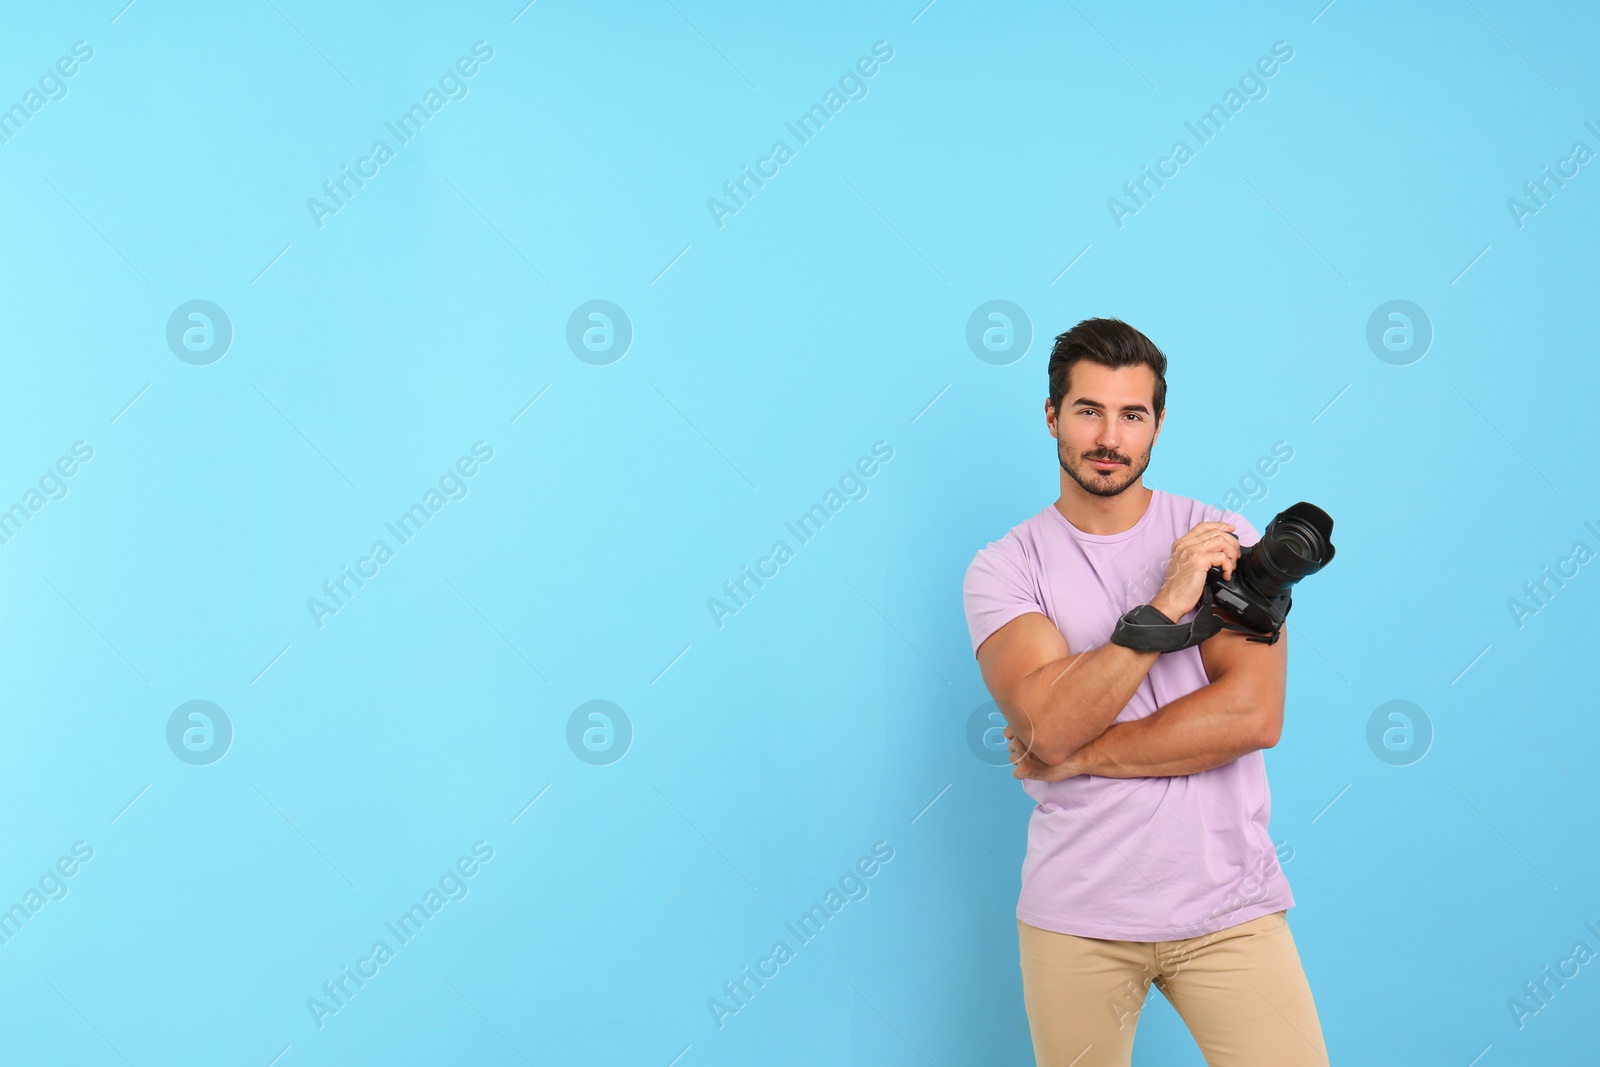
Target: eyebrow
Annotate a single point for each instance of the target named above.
(1083, 401)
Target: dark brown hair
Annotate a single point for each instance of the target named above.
(1110, 343)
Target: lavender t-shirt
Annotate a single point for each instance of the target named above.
(1132, 859)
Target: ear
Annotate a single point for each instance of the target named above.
(1050, 417)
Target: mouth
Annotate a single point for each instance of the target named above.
(1106, 464)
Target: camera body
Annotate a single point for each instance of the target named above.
(1230, 599)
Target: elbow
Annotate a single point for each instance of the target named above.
(1040, 734)
(1054, 749)
(1045, 750)
(1052, 756)
(1270, 729)
(1042, 745)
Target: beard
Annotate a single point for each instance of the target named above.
(1103, 483)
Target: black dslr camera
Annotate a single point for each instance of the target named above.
(1255, 601)
(1295, 543)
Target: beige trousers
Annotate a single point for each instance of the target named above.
(1241, 991)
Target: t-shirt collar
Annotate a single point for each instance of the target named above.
(1107, 539)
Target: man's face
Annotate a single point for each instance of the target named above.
(1106, 415)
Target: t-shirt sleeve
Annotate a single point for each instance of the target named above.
(1242, 527)
(999, 586)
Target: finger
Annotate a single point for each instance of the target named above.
(1215, 539)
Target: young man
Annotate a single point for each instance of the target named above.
(1148, 857)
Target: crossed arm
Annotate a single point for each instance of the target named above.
(1240, 710)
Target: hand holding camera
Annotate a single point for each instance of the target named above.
(1207, 545)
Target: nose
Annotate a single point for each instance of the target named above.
(1109, 436)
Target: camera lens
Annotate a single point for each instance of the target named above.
(1297, 542)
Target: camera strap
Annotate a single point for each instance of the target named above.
(1145, 629)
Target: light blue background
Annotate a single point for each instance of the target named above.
(768, 355)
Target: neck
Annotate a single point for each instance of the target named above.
(1103, 515)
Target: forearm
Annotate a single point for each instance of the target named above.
(1207, 728)
(1075, 699)
(1085, 694)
